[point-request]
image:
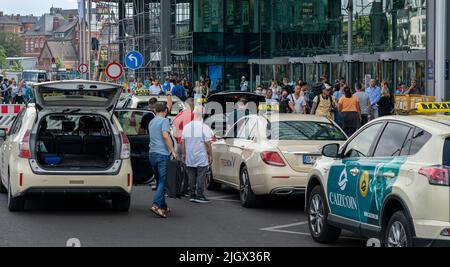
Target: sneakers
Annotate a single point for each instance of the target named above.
(201, 200)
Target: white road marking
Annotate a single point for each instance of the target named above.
(277, 229)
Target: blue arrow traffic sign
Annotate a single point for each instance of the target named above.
(133, 60)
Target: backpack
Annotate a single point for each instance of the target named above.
(317, 89)
(318, 103)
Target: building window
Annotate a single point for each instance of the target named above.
(27, 45)
(32, 45)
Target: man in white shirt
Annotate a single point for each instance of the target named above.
(297, 101)
(196, 151)
(156, 88)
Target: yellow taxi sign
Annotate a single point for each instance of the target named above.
(433, 107)
(266, 107)
(142, 92)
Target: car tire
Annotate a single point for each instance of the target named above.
(121, 203)
(211, 184)
(3, 189)
(246, 195)
(15, 204)
(399, 231)
(317, 214)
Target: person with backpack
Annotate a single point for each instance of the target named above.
(179, 91)
(324, 104)
(5, 92)
(297, 101)
(285, 102)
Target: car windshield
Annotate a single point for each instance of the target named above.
(304, 130)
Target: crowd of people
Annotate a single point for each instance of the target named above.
(15, 93)
(350, 108)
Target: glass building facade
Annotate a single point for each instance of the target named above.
(306, 38)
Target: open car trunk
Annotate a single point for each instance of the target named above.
(74, 142)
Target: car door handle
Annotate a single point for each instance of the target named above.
(389, 175)
(354, 172)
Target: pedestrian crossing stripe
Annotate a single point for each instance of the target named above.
(433, 107)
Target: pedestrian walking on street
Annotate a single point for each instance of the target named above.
(156, 88)
(197, 154)
(324, 104)
(350, 111)
(374, 93)
(180, 91)
(364, 104)
(385, 103)
(161, 149)
(297, 101)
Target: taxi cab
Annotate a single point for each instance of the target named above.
(270, 154)
(389, 181)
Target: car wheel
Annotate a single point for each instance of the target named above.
(121, 203)
(248, 198)
(15, 204)
(398, 232)
(3, 189)
(211, 184)
(317, 213)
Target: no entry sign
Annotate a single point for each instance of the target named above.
(83, 68)
(114, 70)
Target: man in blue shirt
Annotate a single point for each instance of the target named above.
(166, 85)
(374, 93)
(179, 91)
(161, 148)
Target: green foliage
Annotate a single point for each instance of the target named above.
(2, 57)
(11, 43)
(17, 67)
(59, 63)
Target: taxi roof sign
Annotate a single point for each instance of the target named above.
(433, 107)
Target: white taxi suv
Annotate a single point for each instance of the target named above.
(69, 142)
(270, 154)
(389, 181)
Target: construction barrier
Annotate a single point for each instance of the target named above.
(405, 104)
(7, 115)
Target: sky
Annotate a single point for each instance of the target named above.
(34, 7)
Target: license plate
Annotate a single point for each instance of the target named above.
(309, 160)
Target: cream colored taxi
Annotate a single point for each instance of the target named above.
(270, 154)
(389, 181)
(69, 142)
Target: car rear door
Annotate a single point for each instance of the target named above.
(131, 122)
(379, 173)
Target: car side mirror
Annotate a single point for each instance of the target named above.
(3, 134)
(331, 151)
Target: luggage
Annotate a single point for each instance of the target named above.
(175, 177)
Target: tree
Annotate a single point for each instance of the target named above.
(2, 57)
(17, 67)
(11, 42)
(59, 63)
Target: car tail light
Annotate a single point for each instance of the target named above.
(21, 179)
(445, 232)
(437, 175)
(126, 148)
(273, 159)
(24, 146)
(129, 180)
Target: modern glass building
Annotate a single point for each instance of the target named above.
(272, 39)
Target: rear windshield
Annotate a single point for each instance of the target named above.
(447, 152)
(177, 107)
(100, 96)
(304, 130)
